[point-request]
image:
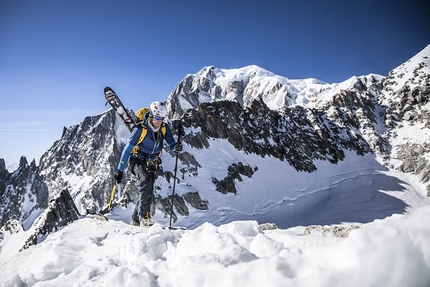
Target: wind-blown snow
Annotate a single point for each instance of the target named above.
(89, 252)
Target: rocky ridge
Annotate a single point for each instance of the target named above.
(407, 100)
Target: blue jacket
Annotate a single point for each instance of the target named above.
(150, 147)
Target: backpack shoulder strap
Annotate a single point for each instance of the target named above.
(143, 134)
(136, 148)
(163, 129)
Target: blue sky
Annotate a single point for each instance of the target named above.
(57, 56)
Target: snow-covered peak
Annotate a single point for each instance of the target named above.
(244, 73)
(411, 70)
(246, 84)
(410, 65)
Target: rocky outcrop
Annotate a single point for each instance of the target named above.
(83, 161)
(60, 212)
(406, 98)
(22, 192)
(338, 231)
(297, 134)
(194, 199)
(226, 184)
(414, 161)
(165, 206)
(3, 171)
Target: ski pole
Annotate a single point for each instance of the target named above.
(176, 169)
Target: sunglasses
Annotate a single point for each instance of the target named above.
(158, 119)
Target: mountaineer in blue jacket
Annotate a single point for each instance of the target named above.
(144, 149)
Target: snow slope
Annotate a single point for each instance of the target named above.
(408, 70)
(358, 189)
(89, 252)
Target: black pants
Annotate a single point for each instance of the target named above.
(146, 188)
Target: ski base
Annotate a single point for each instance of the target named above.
(114, 101)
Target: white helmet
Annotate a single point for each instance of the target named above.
(158, 109)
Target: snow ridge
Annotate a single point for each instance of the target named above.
(246, 84)
(110, 253)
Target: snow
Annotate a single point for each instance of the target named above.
(387, 211)
(406, 71)
(357, 189)
(90, 252)
(309, 92)
(122, 132)
(225, 246)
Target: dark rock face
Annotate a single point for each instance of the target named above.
(4, 174)
(88, 150)
(297, 135)
(234, 171)
(407, 106)
(165, 206)
(191, 87)
(194, 199)
(414, 161)
(60, 212)
(22, 192)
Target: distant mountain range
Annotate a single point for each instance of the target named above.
(256, 146)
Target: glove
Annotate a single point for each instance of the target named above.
(118, 176)
(177, 147)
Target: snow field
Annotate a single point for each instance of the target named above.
(358, 189)
(89, 252)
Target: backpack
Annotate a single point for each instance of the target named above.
(140, 114)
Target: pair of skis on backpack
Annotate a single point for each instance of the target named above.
(127, 116)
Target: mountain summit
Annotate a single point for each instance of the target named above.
(244, 85)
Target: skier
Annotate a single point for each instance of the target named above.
(144, 149)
